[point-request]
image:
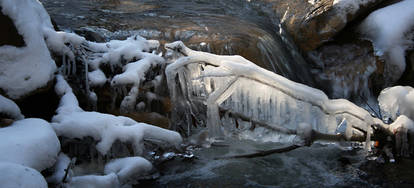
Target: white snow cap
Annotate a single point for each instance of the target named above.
(10, 108)
(27, 68)
(17, 176)
(29, 142)
(388, 28)
(397, 100)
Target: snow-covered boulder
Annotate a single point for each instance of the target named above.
(128, 169)
(390, 30)
(25, 69)
(29, 142)
(396, 101)
(18, 176)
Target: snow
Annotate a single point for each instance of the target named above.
(94, 181)
(27, 68)
(29, 142)
(59, 168)
(8, 107)
(72, 122)
(17, 176)
(97, 78)
(235, 85)
(129, 168)
(388, 28)
(395, 101)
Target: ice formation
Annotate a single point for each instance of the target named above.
(9, 108)
(29, 142)
(389, 29)
(396, 101)
(72, 122)
(17, 176)
(238, 94)
(24, 69)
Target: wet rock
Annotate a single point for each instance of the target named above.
(313, 22)
(343, 70)
(408, 77)
(8, 32)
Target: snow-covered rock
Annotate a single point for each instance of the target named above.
(396, 101)
(94, 181)
(18, 176)
(389, 29)
(29, 142)
(9, 108)
(25, 69)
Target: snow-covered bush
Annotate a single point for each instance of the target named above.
(396, 101)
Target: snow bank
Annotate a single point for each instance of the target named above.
(25, 69)
(94, 181)
(29, 142)
(128, 169)
(9, 108)
(388, 28)
(18, 176)
(72, 122)
(396, 101)
(252, 98)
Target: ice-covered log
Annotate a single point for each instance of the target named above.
(240, 97)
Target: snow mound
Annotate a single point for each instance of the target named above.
(9, 108)
(28, 68)
(72, 122)
(396, 101)
(59, 168)
(29, 142)
(129, 168)
(389, 28)
(18, 176)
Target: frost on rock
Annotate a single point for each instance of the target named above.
(240, 98)
(18, 176)
(72, 122)
(25, 69)
(9, 108)
(389, 29)
(29, 142)
(396, 101)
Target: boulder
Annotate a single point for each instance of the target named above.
(313, 22)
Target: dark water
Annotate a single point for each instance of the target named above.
(219, 26)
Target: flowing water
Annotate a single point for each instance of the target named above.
(222, 27)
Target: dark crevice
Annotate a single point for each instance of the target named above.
(8, 32)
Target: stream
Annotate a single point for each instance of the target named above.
(225, 27)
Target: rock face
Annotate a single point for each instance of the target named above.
(344, 70)
(313, 22)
